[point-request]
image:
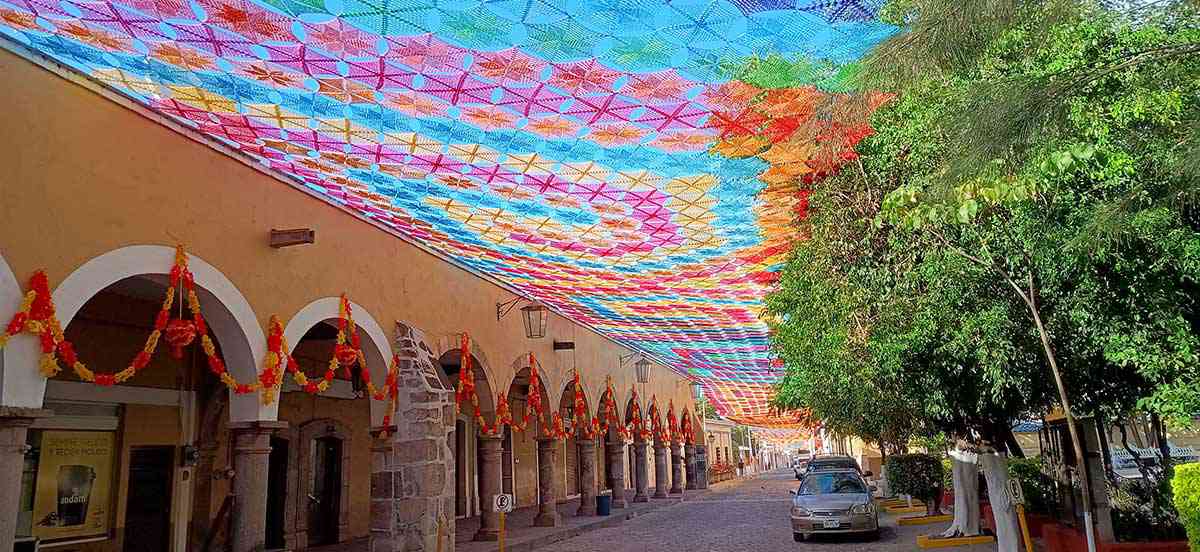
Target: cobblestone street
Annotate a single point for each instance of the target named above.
(748, 515)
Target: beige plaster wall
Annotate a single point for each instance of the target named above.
(84, 176)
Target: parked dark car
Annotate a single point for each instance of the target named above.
(822, 463)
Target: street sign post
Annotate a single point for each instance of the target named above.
(502, 503)
(1017, 496)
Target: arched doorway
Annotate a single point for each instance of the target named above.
(141, 483)
(520, 447)
(328, 464)
(467, 499)
(637, 475)
(571, 465)
(607, 440)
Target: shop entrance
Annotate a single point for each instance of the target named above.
(325, 500)
(277, 468)
(148, 506)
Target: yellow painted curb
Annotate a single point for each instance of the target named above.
(899, 502)
(925, 520)
(904, 509)
(923, 541)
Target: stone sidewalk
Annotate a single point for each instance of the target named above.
(522, 536)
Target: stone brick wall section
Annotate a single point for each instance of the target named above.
(412, 480)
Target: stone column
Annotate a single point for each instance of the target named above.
(14, 426)
(587, 477)
(639, 472)
(251, 456)
(490, 484)
(689, 463)
(616, 469)
(660, 469)
(547, 504)
(701, 466)
(676, 468)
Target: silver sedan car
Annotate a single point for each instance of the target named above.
(833, 501)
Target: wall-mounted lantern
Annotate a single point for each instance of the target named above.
(641, 367)
(534, 315)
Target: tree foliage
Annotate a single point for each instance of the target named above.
(971, 242)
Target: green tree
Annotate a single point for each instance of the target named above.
(988, 182)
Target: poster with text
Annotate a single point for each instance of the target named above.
(73, 479)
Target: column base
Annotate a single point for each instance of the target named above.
(586, 508)
(547, 520)
(660, 494)
(620, 503)
(641, 498)
(486, 535)
(676, 491)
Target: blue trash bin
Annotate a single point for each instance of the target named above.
(603, 505)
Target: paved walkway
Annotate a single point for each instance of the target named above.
(744, 515)
(521, 535)
(749, 514)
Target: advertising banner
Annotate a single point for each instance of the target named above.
(74, 476)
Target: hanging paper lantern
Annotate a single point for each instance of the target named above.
(346, 354)
(179, 333)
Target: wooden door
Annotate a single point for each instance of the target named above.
(148, 502)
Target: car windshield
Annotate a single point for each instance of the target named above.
(832, 483)
(834, 465)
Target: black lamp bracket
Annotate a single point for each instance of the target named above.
(502, 309)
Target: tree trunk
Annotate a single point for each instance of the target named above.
(1160, 435)
(995, 471)
(1102, 429)
(966, 495)
(1134, 425)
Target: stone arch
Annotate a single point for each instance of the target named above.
(452, 344)
(630, 407)
(228, 313)
(20, 383)
(484, 380)
(377, 348)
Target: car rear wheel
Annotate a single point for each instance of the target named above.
(798, 537)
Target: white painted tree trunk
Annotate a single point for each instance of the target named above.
(966, 495)
(1008, 531)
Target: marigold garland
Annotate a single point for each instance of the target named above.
(672, 425)
(36, 316)
(689, 433)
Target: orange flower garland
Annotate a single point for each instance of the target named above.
(36, 317)
(689, 433)
(656, 427)
(672, 424)
(637, 423)
(609, 419)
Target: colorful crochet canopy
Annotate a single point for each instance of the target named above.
(783, 437)
(600, 156)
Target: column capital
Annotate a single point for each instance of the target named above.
(258, 426)
(15, 416)
(483, 437)
(379, 431)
